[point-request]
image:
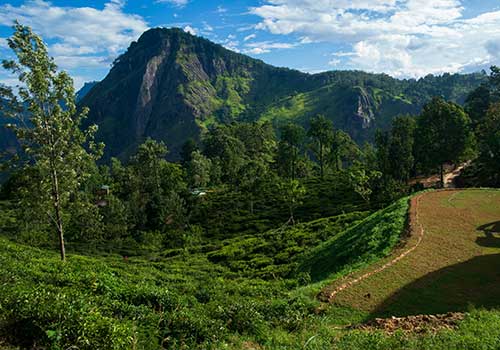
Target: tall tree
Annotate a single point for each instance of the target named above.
(258, 139)
(362, 179)
(49, 127)
(187, 150)
(225, 150)
(343, 149)
(477, 104)
(400, 148)
(321, 133)
(489, 145)
(157, 183)
(252, 181)
(292, 192)
(198, 170)
(443, 135)
(289, 148)
(382, 143)
(495, 83)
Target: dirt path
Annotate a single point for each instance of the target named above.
(416, 229)
(449, 178)
(443, 265)
(414, 324)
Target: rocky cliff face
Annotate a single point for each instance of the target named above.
(365, 109)
(170, 86)
(85, 90)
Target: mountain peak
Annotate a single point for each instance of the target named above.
(171, 86)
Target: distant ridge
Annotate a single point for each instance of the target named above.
(171, 85)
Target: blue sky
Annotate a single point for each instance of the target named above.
(403, 38)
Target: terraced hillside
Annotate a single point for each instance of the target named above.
(454, 266)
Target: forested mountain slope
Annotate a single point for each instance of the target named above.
(171, 86)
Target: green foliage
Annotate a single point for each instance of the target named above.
(322, 134)
(113, 304)
(489, 146)
(187, 150)
(49, 129)
(274, 253)
(477, 103)
(361, 181)
(292, 192)
(231, 90)
(225, 213)
(369, 240)
(224, 147)
(443, 135)
(395, 149)
(185, 301)
(290, 150)
(253, 180)
(343, 150)
(199, 169)
(229, 263)
(220, 302)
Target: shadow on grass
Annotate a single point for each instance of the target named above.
(490, 230)
(475, 282)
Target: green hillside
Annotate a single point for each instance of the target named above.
(234, 297)
(268, 228)
(172, 86)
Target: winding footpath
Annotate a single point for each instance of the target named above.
(442, 264)
(415, 228)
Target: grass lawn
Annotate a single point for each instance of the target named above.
(454, 267)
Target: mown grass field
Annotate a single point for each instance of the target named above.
(454, 267)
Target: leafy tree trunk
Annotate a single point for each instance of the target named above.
(58, 219)
(321, 159)
(291, 219)
(53, 141)
(337, 167)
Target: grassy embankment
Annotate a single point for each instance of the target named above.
(246, 293)
(453, 267)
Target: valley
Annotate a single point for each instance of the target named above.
(199, 198)
(179, 299)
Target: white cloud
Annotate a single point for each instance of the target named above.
(78, 35)
(7, 78)
(250, 37)
(3, 43)
(405, 38)
(231, 43)
(190, 30)
(334, 62)
(221, 9)
(178, 3)
(81, 62)
(258, 48)
(207, 27)
(79, 81)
